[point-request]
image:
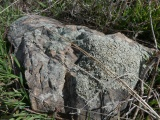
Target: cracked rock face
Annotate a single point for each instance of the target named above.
(60, 77)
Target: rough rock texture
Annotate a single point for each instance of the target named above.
(60, 77)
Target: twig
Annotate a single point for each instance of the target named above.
(48, 7)
(153, 78)
(31, 111)
(157, 96)
(141, 94)
(144, 111)
(9, 6)
(130, 110)
(146, 70)
(90, 100)
(136, 111)
(151, 22)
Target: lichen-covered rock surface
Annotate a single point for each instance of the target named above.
(60, 77)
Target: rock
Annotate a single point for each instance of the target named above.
(61, 78)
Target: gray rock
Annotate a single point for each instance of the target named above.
(63, 79)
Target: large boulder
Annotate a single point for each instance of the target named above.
(62, 77)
